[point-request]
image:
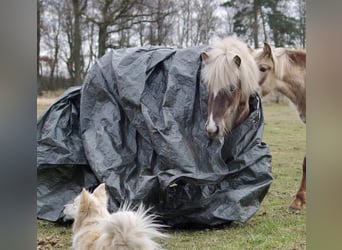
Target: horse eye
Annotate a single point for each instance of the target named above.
(232, 88)
(262, 69)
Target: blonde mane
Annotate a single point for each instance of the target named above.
(282, 63)
(220, 70)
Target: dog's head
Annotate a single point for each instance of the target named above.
(87, 204)
(70, 209)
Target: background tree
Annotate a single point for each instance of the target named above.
(39, 24)
(195, 22)
(205, 21)
(76, 59)
(285, 29)
(302, 21)
(246, 18)
(50, 29)
(114, 18)
(184, 23)
(71, 34)
(160, 26)
(270, 19)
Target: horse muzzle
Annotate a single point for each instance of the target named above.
(212, 130)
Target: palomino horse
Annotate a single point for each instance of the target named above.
(231, 74)
(284, 70)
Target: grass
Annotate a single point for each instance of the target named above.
(41, 108)
(272, 227)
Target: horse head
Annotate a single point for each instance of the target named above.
(231, 76)
(265, 61)
(283, 70)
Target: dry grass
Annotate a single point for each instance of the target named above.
(43, 102)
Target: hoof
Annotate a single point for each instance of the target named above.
(294, 210)
(297, 205)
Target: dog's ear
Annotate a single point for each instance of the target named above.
(84, 200)
(100, 194)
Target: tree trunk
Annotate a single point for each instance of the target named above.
(302, 14)
(256, 24)
(38, 35)
(275, 32)
(39, 87)
(77, 42)
(263, 24)
(187, 35)
(102, 39)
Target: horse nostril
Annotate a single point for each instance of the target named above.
(213, 131)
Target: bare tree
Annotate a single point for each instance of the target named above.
(182, 23)
(112, 17)
(71, 25)
(78, 7)
(205, 21)
(160, 25)
(256, 12)
(39, 24)
(195, 21)
(90, 38)
(72, 34)
(50, 30)
(56, 47)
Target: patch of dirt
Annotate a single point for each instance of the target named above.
(52, 242)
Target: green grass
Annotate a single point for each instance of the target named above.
(272, 227)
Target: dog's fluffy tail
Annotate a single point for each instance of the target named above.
(133, 229)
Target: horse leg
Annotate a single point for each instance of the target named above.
(300, 199)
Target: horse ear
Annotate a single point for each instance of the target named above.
(237, 60)
(204, 56)
(267, 50)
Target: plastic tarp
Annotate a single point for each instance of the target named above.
(137, 123)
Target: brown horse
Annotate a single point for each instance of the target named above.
(284, 70)
(231, 74)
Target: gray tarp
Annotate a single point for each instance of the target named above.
(137, 124)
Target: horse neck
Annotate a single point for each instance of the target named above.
(294, 89)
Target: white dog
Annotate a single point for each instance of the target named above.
(95, 228)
